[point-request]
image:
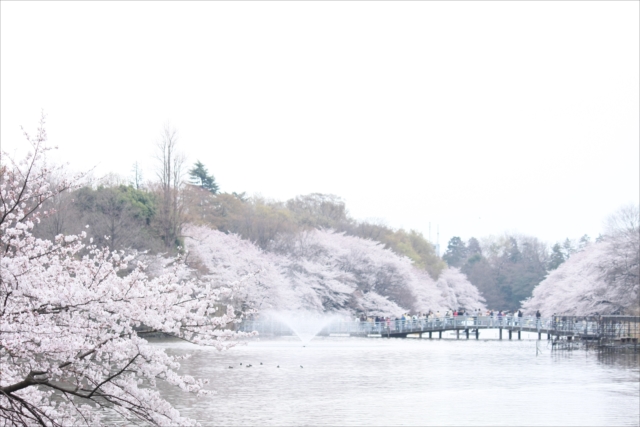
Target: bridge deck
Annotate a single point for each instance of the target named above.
(580, 327)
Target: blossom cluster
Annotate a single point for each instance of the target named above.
(325, 271)
(73, 318)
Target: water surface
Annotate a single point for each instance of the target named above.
(369, 381)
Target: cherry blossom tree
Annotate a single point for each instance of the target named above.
(320, 271)
(601, 278)
(458, 292)
(350, 273)
(73, 318)
(227, 258)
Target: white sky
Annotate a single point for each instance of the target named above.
(479, 117)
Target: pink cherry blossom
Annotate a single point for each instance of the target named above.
(72, 347)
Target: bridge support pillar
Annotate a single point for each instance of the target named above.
(457, 334)
(439, 334)
(500, 329)
(430, 335)
(519, 335)
(509, 333)
(466, 331)
(477, 333)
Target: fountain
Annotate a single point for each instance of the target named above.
(305, 325)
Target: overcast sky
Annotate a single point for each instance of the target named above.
(476, 117)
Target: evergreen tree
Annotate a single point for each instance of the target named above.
(512, 251)
(241, 196)
(584, 241)
(200, 177)
(473, 247)
(557, 257)
(568, 247)
(456, 252)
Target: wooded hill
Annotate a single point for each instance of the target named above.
(132, 218)
(151, 216)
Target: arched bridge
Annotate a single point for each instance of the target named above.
(573, 327)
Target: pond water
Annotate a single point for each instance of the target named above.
(380, 381)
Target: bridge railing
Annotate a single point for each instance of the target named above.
(594, 326)
(400, 326)
(607, 327)
(444, 323)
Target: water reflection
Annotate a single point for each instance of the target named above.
(354, 381)
(629, 361)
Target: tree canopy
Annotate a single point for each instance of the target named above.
(200, 176)
(74, 317)
(327, 271)
(601, 277)
(505, 269)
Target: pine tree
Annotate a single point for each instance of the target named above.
(557, 257)
(456, 253)
(200, 176)
(569, 248)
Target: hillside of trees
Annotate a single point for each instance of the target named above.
(305, 253)
(573, 277)
(154, 216)
(505, 269)
(326, 271)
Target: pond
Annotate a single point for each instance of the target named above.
(380, 381)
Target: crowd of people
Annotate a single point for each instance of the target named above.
(507, 318)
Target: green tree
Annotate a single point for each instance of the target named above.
(456, 253)
(200, 176)
(473, 247)
(506, 269)
(569, 248)
(584, 241)
(118, 217)
(512, 251)
(557, 257)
